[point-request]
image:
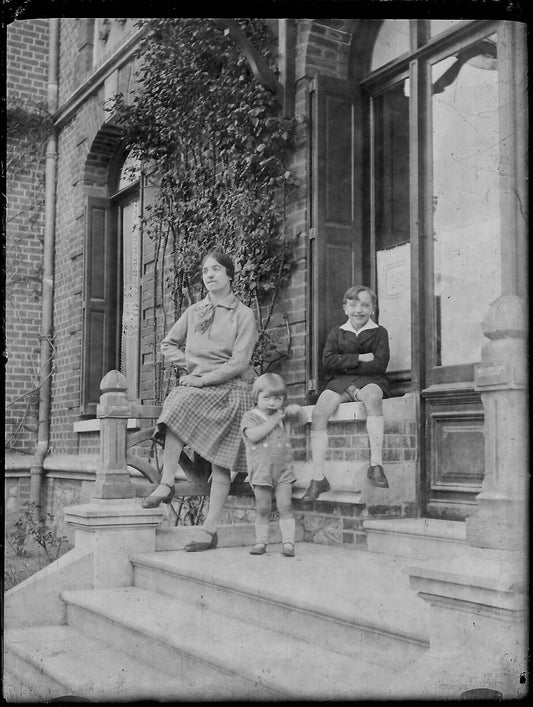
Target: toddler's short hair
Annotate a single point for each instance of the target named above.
(353, 292)
(271, 382)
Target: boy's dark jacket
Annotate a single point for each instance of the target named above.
(341, 358)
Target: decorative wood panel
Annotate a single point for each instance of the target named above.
(455, 459)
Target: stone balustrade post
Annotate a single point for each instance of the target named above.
(501, 519)
(112, 478)
(113, 525)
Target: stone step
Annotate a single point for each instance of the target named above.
(47, 662)
(424, 539)
(416, 538)
(338, 596)
(431, 540)
(230, 535)
(222, 657)
(14, 689)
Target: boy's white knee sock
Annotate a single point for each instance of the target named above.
(374, 428)
(288, 530)
(319, 447)
(262, 532)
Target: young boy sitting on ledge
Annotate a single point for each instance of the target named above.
(355, 356)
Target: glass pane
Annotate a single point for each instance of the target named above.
(438, 26)
(130, 172)
(392, 41)
(390, 219)
(129, 350)
(466, 220)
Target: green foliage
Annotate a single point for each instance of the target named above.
(32, 527)
(213, 138)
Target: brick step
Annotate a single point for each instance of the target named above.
(340, 595)
(221, 657)
(47, 662)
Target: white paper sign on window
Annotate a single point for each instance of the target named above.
(394, 301)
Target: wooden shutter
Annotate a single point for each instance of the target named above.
(99, 341)
(335, 234)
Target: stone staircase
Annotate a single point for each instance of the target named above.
(225, 625)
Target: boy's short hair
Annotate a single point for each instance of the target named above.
(271, 382)
(353, 292)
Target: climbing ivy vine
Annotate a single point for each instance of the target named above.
(215, 140)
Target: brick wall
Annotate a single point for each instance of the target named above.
(27, 77)
(85, 148)
(76, 55)
(85, 151)
(82, 169)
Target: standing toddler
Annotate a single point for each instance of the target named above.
(270, 460)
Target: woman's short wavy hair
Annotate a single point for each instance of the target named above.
(222, 259)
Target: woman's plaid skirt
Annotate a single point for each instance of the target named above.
(208, 420)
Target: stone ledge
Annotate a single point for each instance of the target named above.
(106, 514)
(93, 425)
(349, 483)
(480, 580)
(401, 408)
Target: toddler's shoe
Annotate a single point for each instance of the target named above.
(377, 476)
(287, 549)
(315, 489)
(258, 549)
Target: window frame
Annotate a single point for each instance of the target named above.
(417, 66)
(110, 304)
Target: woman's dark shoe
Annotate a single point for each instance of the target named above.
(377, 476)
(315, 489)
(287, 549)
(200, 546)
(154, 500)
(159, 434)
(258, 549)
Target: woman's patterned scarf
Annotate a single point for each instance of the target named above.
(205, 317)
(206, 314)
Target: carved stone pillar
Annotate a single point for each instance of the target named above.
(113, 478)
(501, 521)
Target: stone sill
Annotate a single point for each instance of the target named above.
(93, 425)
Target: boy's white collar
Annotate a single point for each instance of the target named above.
(347, 326)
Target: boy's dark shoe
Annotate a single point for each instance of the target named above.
(315, 489)
(377, 476)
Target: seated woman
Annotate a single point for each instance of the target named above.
(213, 340)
